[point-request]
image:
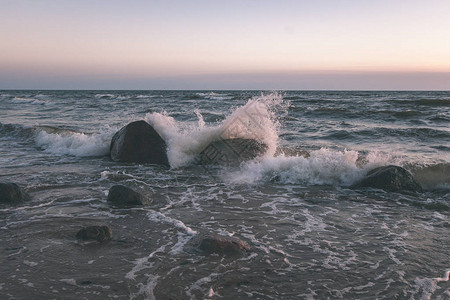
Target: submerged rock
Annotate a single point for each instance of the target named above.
(389, 178)
(11, 193)
(213, 243)
(95, 233)
(138, 142)
(231, 152)
(122, 196)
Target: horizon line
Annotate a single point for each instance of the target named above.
(255, 90)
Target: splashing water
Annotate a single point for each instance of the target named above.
(255, 120)
(74, 143)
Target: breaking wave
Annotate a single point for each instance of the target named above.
(321, 167)
(255, 120)
(67, 142)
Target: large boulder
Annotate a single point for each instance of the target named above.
(218, 244)
(231, 152)
(11, 193)
(389, 178)
(138, 142)
(122, 196)
(95, 233)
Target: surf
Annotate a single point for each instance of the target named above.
(256, 120)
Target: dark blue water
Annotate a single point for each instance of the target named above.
(311, 236)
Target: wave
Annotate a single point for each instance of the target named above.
(440, 118)
(112, 96)
(255, 120)
(23, 132)
(17, 131)
(185, 140)
(433, 102)
(330, 110)
(214, 96)
(147, 96)
(60, 141)
(104, 96)
(433, 176)
(336, 168)
(69, 142)
(38, 99)
(407, 114)
(318, 167)
(424, 133)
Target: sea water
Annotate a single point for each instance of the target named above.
(312, 237)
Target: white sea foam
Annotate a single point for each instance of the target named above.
(146, 96)
(378, 158)
(99, 96)
(140, 264)
(183, 239)
(30, 263)
(322, 167)
(69, 281)
(159, 217)
(123, 97)
(143, 263)
(197, 286)
(74, 143)
(146, 290)
(254, 120)
(31, 100)
(430, 285)
(215, 96)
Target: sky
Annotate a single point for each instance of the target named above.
(211, 44)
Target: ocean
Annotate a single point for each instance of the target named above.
(311, 235)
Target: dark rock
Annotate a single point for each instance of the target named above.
(389, 178)
(11, 193)
(213, 243)
(95, 233)
(231, 152)
(138, 142)
(122, 196)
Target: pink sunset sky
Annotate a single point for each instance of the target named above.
(246, 44)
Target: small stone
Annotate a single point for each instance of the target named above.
(122, 196)
(213, 243)
(11, 193)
